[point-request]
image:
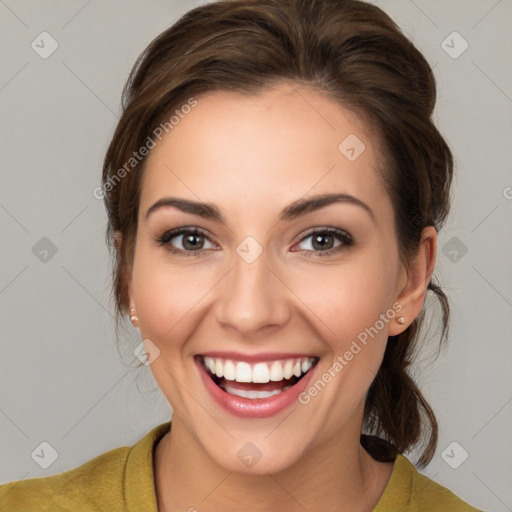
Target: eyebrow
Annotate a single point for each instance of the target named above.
(296, 209)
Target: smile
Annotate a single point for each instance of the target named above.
(255, 389)
(280, 371)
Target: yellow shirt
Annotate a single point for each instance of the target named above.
(121, 480)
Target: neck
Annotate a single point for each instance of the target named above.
(339, 475)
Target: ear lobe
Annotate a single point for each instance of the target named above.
(419, 274)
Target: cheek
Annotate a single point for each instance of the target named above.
(341, 301)
(349, 298)
(352, 309)
(168, 298)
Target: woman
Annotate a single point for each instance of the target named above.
(274, 190)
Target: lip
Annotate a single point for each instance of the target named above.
(258, 408)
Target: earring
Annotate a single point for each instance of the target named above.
(401, 320)
(133, 317)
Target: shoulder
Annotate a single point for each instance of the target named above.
(410, 491)
(118, 480)
(95, 485)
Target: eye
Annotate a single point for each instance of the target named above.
(186, 241)
(325, 241)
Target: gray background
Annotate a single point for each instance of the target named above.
(61, 377)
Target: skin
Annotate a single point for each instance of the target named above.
(252, 156)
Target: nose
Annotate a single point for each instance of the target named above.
(252, 298)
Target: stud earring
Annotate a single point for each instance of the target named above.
(133, 317)
(401, 320)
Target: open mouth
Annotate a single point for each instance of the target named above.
(256, 380)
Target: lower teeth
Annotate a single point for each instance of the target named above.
(254, 395)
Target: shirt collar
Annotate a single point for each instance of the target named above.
(139, 479)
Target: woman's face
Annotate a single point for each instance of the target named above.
(268, 286)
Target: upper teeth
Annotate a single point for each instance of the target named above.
(258, 372)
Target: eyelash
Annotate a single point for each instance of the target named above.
(343, 236)
(169, 235)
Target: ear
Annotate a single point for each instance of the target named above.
(118, 243)
(118, 240)
(129, 294)
(419, 273)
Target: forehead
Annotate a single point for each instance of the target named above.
(265, 149)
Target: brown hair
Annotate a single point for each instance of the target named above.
(357, 55)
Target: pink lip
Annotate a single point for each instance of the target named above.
(254, 408)
(255, 358)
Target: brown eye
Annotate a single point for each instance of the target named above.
(185, 240)
(325, 241)
(192, 241)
